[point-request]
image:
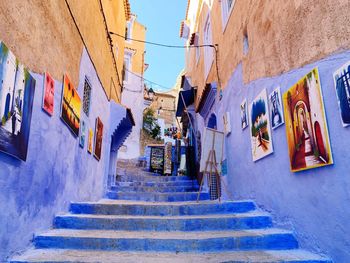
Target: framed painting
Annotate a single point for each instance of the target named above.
(260, 133)
(82, 135)
(342, 88)
(71, 106)
(244, 112)
(98, 138)
(90, 139)
(48, 94)
(17, 88)
(306, 125)
(275, 108)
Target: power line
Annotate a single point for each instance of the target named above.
(159, 44)
(152, 82)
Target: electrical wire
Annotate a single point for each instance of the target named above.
(159, 44)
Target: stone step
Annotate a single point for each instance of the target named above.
(92, 256)
(117, 207)
(157, 184)
(249, 220)
(157, 197)
(152, 189)
(150, 178)
(167, 241)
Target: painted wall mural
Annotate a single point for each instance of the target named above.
(244, 112)
(98, 138)
(306, 125)
(275, 108)
(71, 106)
(342, 87)
(48, 94)
(260, 133)
(17, 88)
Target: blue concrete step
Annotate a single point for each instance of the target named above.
(157, 197)
(111, 207)
(151, 189)
(249, 220)
(90, 256)
(131, 178)
(167, 241)
(157, 184)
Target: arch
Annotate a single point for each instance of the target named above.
(212, 122)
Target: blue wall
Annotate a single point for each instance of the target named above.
(57, 170)
(314, 203)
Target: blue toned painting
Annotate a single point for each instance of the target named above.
(341, 82)
(82, 135)
(16, 103)
(275, 108)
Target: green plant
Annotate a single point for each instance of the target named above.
(9, 115)
(3, 120)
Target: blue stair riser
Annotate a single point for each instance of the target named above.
(274, 241)
(162, 210)
(159, 224)
(157, 197)
(158, 184)
(153, 189)
(132, 178)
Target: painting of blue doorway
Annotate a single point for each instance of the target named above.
(16, 102)
(342, 87)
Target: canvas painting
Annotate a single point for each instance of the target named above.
(275, 107)
(98, 139)
(342, 87)
(306, 125)
(90, 138)
(82, 135)
(48, 94)
(71, 106)
(244, 112)
(260, 133)
(17, 88)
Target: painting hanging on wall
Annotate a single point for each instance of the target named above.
(306, 125)
(98, 138)
(260, 133)
(90, 139)
(17, 88)
(48, 94)
(244, 112)
(71, 106)
(275, 108)
(82, 135)
(342, 87)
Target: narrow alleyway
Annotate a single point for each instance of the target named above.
(150, 218)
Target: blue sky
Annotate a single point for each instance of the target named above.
(162, 19)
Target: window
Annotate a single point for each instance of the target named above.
(127, 66)
(226, 9)
(128, 31)
(87, 97)
(208, 51)
(198, 50)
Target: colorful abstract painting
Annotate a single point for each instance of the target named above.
(342, 87)
(82, 135)
(306, 125)
(260, 133)
(275, 107)
(48, 94)
(244, 112)
(17, 88)
(71, 106)
(98, 138)
(90, 139)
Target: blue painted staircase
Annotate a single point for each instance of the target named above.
(148, 218)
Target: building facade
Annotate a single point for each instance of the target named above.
(133, 84)
(62, 122)
(250, 46)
